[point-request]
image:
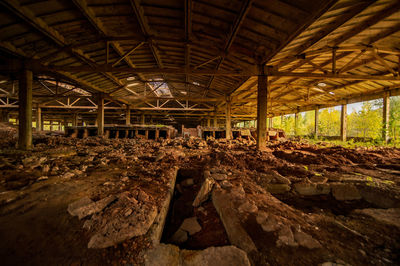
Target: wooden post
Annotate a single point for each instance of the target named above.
(316, 123)
(386, 112)
(25, 110)
(38, 118)
(208, 122)
(343, 123)
(100, 116)
(228, 125)
(271, 124)
(262, 109)
(128, 115)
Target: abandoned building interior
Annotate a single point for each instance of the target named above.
(143, 132)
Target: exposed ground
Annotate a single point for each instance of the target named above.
(346, 201)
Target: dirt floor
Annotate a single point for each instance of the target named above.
(346, 201)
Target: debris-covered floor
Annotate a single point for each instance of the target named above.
(104, 201)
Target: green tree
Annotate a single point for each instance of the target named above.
(367, 122)
(329, 122)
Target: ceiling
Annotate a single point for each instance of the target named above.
(185, 58)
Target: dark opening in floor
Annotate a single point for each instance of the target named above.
(212, 231)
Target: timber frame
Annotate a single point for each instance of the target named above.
(180, 60)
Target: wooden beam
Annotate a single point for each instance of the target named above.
(246, 5)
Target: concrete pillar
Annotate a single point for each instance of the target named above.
(142, 119)
(386, 112)
(228, 125)
(39, 126)
(100, 116)
(128, 115)
(65, 122)
(262, 109)
(4, 115)
(25, 110)
(75, 120)
(296, 124)
(343, 123)
(316, 116)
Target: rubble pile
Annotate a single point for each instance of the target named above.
(322, 204)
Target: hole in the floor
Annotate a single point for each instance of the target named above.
(212, 231)
(323, 203)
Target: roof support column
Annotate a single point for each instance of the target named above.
(215, 120)
(386, 112)
(25, 110)
(262, 109)
(316, 112)
(4, 115)
(128, 115)
(270, 122)
(343, 123)
(38, 118)
(208, 122)
(296, 123)
(142, 119)
(100, 116)
(228, 124)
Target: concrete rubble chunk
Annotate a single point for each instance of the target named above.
(219, 176)
(286, 237)
(223, 203)
(226, 184)
(277, 188)
(248, 207)
(305, 240)
(389, 216)
(170, 255)
(204, 192)
(179, 237)
(308, 189)
(162, 255)
(117, 230)
(76, 205)
(215, 256)
(94, 207)
(191, 225)
(345, 192)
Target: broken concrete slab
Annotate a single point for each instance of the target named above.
(223, 203)
(379, 197)
(191, 225)
(215, 256)
(286, 237)
(308, 189)
(305, 240)
(277, 188)
(179, 237)
(389, 216)
(170, 255)
(342, 191)
(204, 192)
(83, 211)
(119, 229)
(248, 207)
(162, 255)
